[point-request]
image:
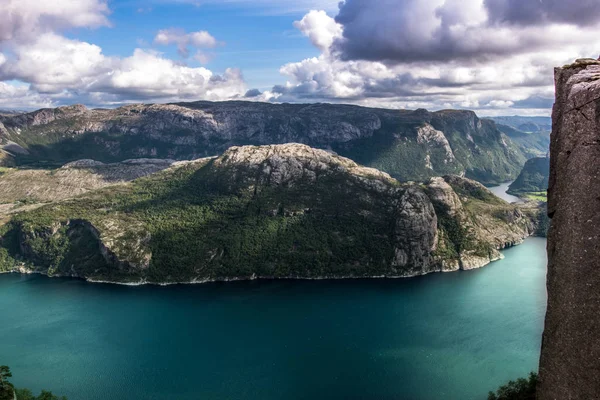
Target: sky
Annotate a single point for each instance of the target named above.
(492, 56)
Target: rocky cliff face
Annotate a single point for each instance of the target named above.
(570, 360)
(265, 211)
(409, 145)
(533, 177)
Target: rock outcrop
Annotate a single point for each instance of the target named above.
(570, 359)
(533, 177)
(280, 211)
(409, 145)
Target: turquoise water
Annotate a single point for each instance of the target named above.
(500, 191)
(442, 336)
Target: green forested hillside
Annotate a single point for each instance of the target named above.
(270, 211)
(533, 179)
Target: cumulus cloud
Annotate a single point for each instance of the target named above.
(21, 97)
(26, 19)
(183, 40)
(580, 12)
(39, 66)
(54, 63)
(147, 75)
(58, 66)
(435, 54)
(320, 28)
(442, 30)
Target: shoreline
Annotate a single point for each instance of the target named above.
(256, 278)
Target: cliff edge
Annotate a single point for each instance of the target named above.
(570, 359)
(280, 211)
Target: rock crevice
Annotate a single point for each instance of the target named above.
(570, 359)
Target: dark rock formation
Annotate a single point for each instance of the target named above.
(570, 360)
(409, 145)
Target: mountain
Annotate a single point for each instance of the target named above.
(531, 133)
(533, 179)
(570, 345)
(525, 124)
(409, 145)
(281, 211)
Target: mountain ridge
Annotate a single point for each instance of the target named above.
(410, 145)
(276, 211)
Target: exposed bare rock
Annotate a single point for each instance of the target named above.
(570, 360)
(276, 211)
(428, 134)
(441, 193)
(13, 148)
(36, 186)
(86, 163)
(409, 145)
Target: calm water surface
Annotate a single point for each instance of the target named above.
(442, 336)
(500, 191)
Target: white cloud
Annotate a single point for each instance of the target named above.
(20, 97)
(320, 29)
(200, 39)
(51, 69)
(518, 82)
(54, 63)
(147, 75)
(68, 69)
(26, 19)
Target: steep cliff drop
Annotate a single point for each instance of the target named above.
(570, 360)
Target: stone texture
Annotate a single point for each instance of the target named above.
(570, 359)
(432, 143)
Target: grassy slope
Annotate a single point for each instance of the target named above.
(201, 227)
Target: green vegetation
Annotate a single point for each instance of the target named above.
(538, 196)
(7, 390)
(533, 179)
(25, 394)
(521, 389)
(215, 220)
(384, 139)
(532, 134)
(199, 224)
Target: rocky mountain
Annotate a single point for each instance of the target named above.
(409, 145)
(532, 134)
(570, 358)
(525, 124)
(280, 211)
(533, 178)
(24, 189)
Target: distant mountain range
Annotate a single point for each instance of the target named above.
(531, 133)
(409, 145)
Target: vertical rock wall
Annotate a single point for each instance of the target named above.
(570, 360)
